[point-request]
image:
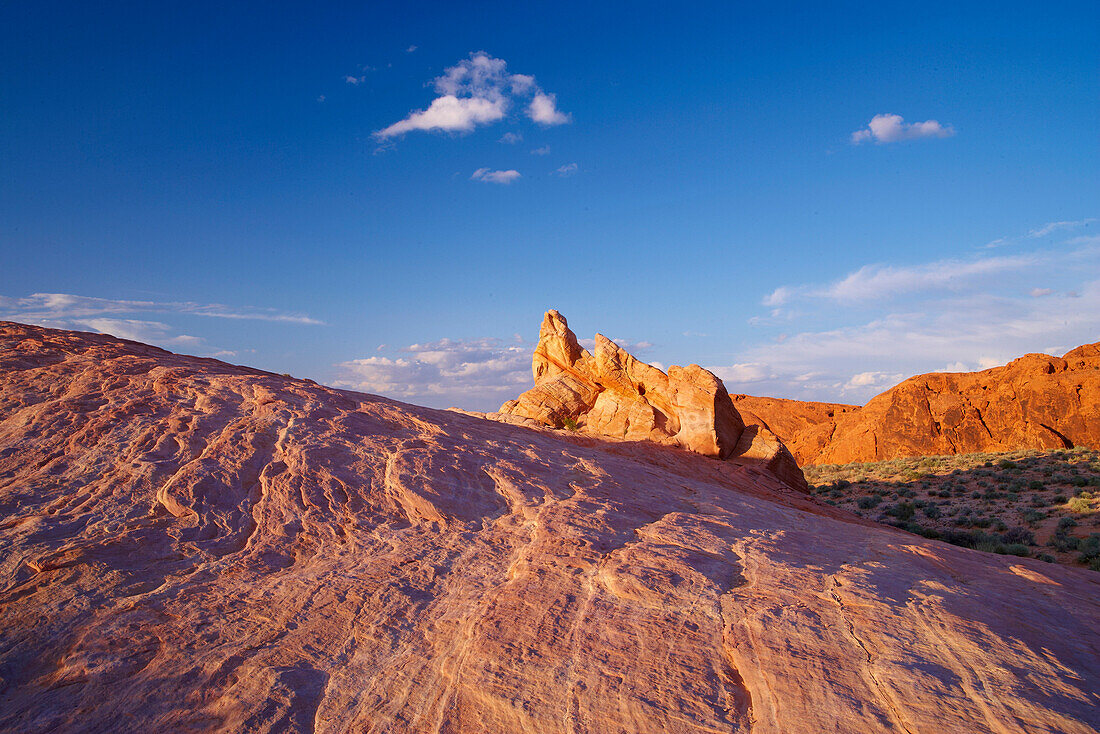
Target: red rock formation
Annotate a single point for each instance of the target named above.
(798, 423)
(193, 546)
(613, 394)
(1034, 402)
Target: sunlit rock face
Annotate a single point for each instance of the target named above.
(1034, 402)
(613, 394)
(194, 546)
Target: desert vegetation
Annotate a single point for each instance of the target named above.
(1043, 504)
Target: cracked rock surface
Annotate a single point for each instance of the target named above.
(187, 545)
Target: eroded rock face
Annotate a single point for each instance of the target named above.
(194, 546)
(611, 393)
(1034, 402)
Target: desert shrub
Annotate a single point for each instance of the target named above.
(1014, 549)
(1038, 501)
(1079, 504)
(1046, 558)
(1089, 547)
(1066, 523)
(903, 511)
(841, 484)
(976, 495)
(1006, 464)
(1079, 481)
(868, 501)
(1034, 516)
(1036, 484)
(1062, 542)
(1058, 499)
(569, 424)
(1018, 535)
(931, 511)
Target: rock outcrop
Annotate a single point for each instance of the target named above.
(194, 546)
(1034, 402)
(611, 393)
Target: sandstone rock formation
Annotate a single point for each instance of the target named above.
(611, 393)
(1034, 402)
(194, 546)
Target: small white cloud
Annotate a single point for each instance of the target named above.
(449, 113)
(477, 91)
(565, 171)
(743, 373)
(544, 110)
(321, 98)
(873, 379)
(410, 49)
(499, 177)
(477, 374)
(1040, 292)
(891, 128)
(778, 297)
(544, 150)
(355, 80)
(1050, 227)
(955, 367)
(511, 138)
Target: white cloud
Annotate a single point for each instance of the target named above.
(743, 373)
(57, 306)
(477, 91)
(880, 281)
(544, 110)
(544, 150)
(355, 80)
(410, 49)
(878, 381)
(565, 171)
(778, 297)
(511, 138)
(499, 177)
(1051, 227)
(891, 128)
(449, 113)
(1040, 292)
(477, 374)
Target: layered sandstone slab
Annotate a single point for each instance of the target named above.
(193, 546)
(1034, 402)
(611, 393)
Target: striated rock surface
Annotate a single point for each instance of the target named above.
(1034, 402)
(194, 546)
(611, 393)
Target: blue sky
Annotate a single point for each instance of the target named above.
(812, 201)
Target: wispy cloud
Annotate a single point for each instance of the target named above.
(882, 322)
(410, 49)
(544, 150)
(511, 138)
(890, 128)
(1051, 227)
(113, 316)
(355, 80)
(477, 91)
(67, 306)
(497, 177)
(565, 171)
(479, 374)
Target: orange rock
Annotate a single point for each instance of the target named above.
(194, 546)
(614, 394)
(1034, 402)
